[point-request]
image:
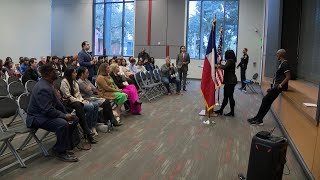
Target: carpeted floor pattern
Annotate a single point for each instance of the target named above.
(168, 141)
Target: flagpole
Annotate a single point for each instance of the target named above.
(218, 104)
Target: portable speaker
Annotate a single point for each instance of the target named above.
(267, 157)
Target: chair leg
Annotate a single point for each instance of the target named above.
(41, 146)
(14, 117)
(15, 153)
(44, 136)
(25, 142)
(3, 148)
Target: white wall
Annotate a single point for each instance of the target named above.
(251, 15)
(71, 24)
(25, 28)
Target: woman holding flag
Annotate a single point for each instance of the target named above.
(229, 81)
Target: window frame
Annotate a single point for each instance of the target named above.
(105, 2)
(200, 29)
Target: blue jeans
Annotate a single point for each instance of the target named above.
(166, 82)
(91, 110)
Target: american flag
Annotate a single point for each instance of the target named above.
(219, 72)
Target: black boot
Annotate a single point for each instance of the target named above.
(230, 114)
(220, 112)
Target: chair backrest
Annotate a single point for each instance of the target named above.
(13, 79)
(153, 76)
(57, 83)
(138, 79)
(144, 78)
(3, 91)
(29, 85)
(16, 89)
(149, 77)
(23, 101)
(8, 107)
(157, 74)
(3, 83)
(255, 76)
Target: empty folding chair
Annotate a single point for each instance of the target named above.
(148, 86)
(250, 82)
(157, 85)
(3, 83)
(29, 85)
(13, 79)
(4, 91)
(5, 138)
(8, 109)
(146, 89)
(15, 89)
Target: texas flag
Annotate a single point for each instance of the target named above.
(209, 72)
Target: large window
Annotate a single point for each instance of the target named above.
(113, 27)
(200, 16)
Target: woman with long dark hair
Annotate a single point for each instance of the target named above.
(88, 91)
(229, 81)
(86, 112)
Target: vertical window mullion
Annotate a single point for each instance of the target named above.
(201, 4)
(122, 36)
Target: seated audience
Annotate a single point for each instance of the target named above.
(140, 66)
(129, 89)
(43, 61)
(166, 78)
(88, 90)
(87, 112)
(124, 69)
(10, 68)
(108, 89)
(49, 59)
(56, 65)
(147, 64)
(46, 111)
(65, 63)
(132, 66)
(24, 65)
(31, 73)
(2, 70)
(99, 62)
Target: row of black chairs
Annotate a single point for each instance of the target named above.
(9, 108)
(150, 83)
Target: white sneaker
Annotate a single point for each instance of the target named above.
(94, 131)
(207, 122)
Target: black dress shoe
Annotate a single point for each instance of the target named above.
(252, 120)
(137, 103)
(218, 112)
(91, 139)
(116, 123)
(66, 157)
(136, 113)
(229, 114)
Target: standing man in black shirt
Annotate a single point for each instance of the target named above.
(243, 67)
(144, 55)
(280, 83)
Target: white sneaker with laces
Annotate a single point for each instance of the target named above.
(207, 122)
